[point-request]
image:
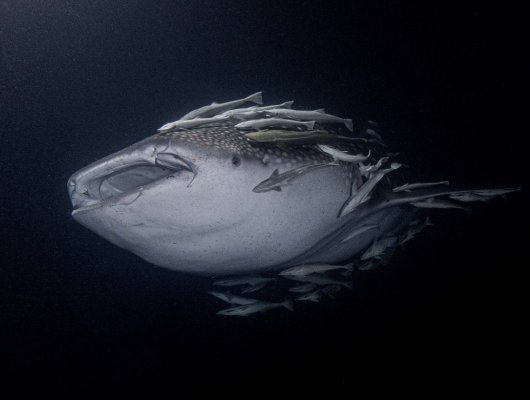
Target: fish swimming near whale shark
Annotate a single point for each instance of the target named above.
(187, 200)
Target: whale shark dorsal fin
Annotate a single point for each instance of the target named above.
(320, 110)
(275, 173)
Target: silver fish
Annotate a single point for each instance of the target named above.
(316, 115)
(342, 156)
(255, 109)
(247, 280)
(259, 307)
(192, 123)
(411, 186)
(303, 288)
(481, 195)
(274, 122)
(319, 280)
(439, 203)
(468, 197)
(232, 299)
(303, 270)
(331, 290)
(276, 181)
(379, 246)
(414, 230)
(284, 137)
(360, 230)
(367, 170)
(314, 296)
(218, 108)
(363, 194)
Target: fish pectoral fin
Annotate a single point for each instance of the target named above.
(277, 189)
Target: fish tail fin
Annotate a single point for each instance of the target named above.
(349, 267)
(349, 124)
(309, 124)
(256, 98)
(288, 304)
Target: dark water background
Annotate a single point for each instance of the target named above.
(82, 79)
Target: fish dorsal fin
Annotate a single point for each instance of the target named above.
(320, 110)
(275, 173)
(214, 103)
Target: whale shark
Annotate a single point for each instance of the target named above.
(183, 198)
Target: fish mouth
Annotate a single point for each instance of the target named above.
(121, 175)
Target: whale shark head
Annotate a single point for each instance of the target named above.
(184, 200)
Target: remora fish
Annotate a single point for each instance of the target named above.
(248, 309)
(277, 180)
(267, 122)
(342, 156)
(283, 137)
(303, 270)
(414, 230)
(191, 123)
(303, 288)
(252, 281)
(439, 203)
(218, 108)
(379, 246)
(363, 194)
(411, 186)
(315, 115)
(232, 299)
(319, 280)
(140, 199)
(255, 109)
(367, 170)
(314, 296)
(361, 229)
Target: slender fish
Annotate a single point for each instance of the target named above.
(192, 123)
(411, 186)
(275, 122)
(343, 156)
(218, 108)
(232, 299)
(315, 115)
(303, 270)
(248, 309)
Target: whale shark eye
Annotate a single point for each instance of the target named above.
(236, 161)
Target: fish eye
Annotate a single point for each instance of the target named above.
(236, 161)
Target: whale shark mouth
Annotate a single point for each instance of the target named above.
(120, 176)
